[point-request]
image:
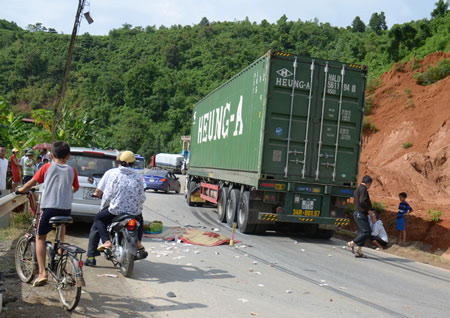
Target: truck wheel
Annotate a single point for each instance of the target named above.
(191, 189)
(232, 206)
(222, 205)
(243, 215)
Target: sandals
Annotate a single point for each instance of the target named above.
(101, 248)
(360, 255)
(40, 282)
(351, 247)
(141, 249)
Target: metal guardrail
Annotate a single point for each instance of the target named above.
(10, 202)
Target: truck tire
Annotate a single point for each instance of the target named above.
(232, 206)
(222, 205)
(243, 215)
(192, 185)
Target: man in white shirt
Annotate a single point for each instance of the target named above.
(379, 236)
(3, 169)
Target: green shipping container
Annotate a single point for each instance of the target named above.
(285, 124)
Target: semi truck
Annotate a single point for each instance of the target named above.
(279, 144)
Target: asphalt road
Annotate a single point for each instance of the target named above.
(272, 275)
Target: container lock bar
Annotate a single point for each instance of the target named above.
(307, 119)
(338, 123)
(286, 168)
(321, 120)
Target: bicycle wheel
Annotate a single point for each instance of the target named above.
(127, 264)
(24, 259)
(69, 292)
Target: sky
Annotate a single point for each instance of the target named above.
(112, 14)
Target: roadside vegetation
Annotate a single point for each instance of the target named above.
(135, 88)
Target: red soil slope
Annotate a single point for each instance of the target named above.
(405, 112)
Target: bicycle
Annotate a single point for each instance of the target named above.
(65, 267)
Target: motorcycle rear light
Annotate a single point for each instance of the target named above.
(163, 180)
(80, 264)
(131, 224)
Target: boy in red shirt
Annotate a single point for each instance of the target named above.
(59, 181)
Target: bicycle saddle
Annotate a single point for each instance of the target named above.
(61, 220)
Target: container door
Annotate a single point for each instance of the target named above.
(289, 118)
(313, 130)
(337, 133)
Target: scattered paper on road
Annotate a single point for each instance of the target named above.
(243, 300)
(107, 275)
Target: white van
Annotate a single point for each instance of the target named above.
(90, 164)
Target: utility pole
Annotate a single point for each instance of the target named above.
(62, 88)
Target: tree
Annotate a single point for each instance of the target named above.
(378, 22)
(441, 9)
(358, 25)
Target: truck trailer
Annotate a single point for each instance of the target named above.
(279, 143)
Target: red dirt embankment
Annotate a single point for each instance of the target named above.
(405, 112)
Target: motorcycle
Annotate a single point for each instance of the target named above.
(123, 232)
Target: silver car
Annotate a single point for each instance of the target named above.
(90, 164)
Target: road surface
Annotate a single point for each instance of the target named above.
(273, 275)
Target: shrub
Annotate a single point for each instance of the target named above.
(415, 64)
(378, 206)
(368, 104)
(407, 145)
(368, 127)
(434, 215)
(372, 84)
(399, 67)
(410, 104)
(434, 73)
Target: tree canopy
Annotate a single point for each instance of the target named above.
(136, 87)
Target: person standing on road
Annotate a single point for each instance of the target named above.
(15, 169)
(403, 208)
(28, 166)
(3, 169)
(363, 208)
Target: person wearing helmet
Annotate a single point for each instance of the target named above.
(124, 194)
(15, 169)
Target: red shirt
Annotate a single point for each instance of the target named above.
(14, 167)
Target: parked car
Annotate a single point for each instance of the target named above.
(161, 180)
(90, 165)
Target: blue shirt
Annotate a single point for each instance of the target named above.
(403, 208)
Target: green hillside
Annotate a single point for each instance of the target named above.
(136, 87)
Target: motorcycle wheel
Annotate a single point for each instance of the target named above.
(127, 265)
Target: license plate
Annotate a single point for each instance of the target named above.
(307, 205)
(152, 180)
(87, 194)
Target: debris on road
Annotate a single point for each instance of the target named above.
(171, 294)
(107, 275)
(215, 229)
(254, 262)
(260, 285)
(302, 249)
(288, 291)
(243, 300)
(217, 253)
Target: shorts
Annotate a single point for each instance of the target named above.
(400, 226)
(16, 176)
(43, 225)
(26, 179)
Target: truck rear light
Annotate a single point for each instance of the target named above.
(280, 210)
(131, 225)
